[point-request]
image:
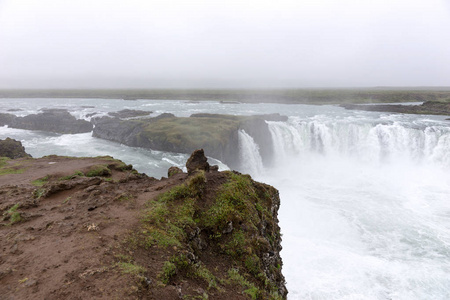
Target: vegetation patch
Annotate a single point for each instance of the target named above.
(227, 220)
(165, 219)
(98, 170)
(74, 175)
(38, 193)
(130, 268)
(249, 288)
(40, 181)
(188, 133)
(6, 169)
(13, 215)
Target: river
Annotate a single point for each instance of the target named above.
(365, 196)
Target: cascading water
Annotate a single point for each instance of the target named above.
(250, 159)
(366, 142)
(365, 209)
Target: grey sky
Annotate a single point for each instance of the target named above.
(150, 44)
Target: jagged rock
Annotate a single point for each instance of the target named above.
(214, 168)
(197, 161)
(173, 170)
(12, 149)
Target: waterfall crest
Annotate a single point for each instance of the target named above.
(362, 141)
(250, 159)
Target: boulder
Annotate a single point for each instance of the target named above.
(173, 170)
(12, 149)
(197, 161)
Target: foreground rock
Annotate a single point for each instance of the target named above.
(91, 228)
(216, 134)
(427, 108)
(51, 120)
(12, 149)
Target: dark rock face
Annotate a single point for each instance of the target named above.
(12, 149)
(52, 120)
(197, 161)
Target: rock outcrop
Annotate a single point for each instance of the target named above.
(51, 120)
(95, 228)
(12, 149)
(427, 108)
(216, 134)
(197, 162)
(129, 113)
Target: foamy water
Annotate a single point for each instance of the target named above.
(365, 196)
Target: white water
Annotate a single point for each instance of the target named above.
(250, 159)
(365, 196)
(369, 210)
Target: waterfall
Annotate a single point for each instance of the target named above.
(250, 159)
(362, 141)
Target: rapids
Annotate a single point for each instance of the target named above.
(365, 196)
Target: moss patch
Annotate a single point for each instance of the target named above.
(189, 133)
(40, 181)
(6, 168)
(98, 170)
(227, 219)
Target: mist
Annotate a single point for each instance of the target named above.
(153, 44)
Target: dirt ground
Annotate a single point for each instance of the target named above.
(70, 232)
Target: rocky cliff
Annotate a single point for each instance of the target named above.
(217, 134)
(93, 228)
(51, 120)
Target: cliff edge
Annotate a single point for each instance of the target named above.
(94, 228)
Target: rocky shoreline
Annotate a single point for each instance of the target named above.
(93, 228)
(427, 108)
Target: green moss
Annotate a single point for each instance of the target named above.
(38, 193)
(125, 197)
(6, 169)
(203, 273)
(236, 246)
(74, 175)
(189, 133)
(169, 270)
(40, 181)
(14, 215)
(98, 170)
(3, 161)
(252, 263)
(165, 219)
(249, 288)
(191, 270)
(162, 238)
(234, 202)
(130, 268)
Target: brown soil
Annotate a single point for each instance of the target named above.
(67, 243)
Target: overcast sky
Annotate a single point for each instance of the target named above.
(247, 43)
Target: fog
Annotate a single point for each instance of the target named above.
(195, 44)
